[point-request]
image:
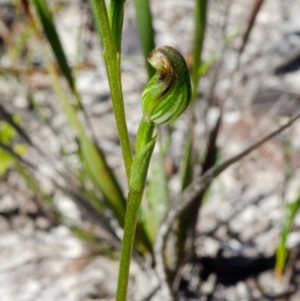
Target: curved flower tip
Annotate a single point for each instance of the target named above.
(168, 92)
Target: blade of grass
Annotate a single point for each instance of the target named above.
(8, 149)
(96, 20)
(46, 19)
(281, 253)
(45, 202)
(146, 32)
(17, 48)
(98, 246)
(157, 197)
(116, 17)
(189, 217)
(205, 66)
(4, 115)
(199, 34)
(187, 163)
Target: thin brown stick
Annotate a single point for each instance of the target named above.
(254, 12)
(200, 183)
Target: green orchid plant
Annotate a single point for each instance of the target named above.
(165, 97)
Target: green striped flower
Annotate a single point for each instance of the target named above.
(168, 92)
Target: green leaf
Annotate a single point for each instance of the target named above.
(186, 169)
(146, 32)
(116, 17)
(205, 66)
(7, 135)
(96, 20)
(46, 19)
(154, 207)
(281, 254)
(6, 162)
(199, 33)
(139, 171)
(44, 200)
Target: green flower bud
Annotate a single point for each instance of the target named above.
(168, 92)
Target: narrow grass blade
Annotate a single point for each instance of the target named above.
(205, 66)
(281, 253)
(199, 33)
(146, 32)
(186, 165)
(45, 201)
(116, 17)
(98, 246)
(46, 19)
(6, 116)
(200, 16)
(19, 45)
(96, 20)
(154, 207)
(8, 149)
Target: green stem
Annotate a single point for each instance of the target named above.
(112, 62)
(200, 24)
(146, 32)
(139, 171)
(187, 170)
(114, 78)
(134, 200)
(144, 135)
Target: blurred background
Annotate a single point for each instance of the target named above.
(59, 238)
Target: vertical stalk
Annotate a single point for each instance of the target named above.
(140, 167)
(199, 33)
(187, 170)
(132, 211)
(111, 54)
(146, 32)
(164, 98)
